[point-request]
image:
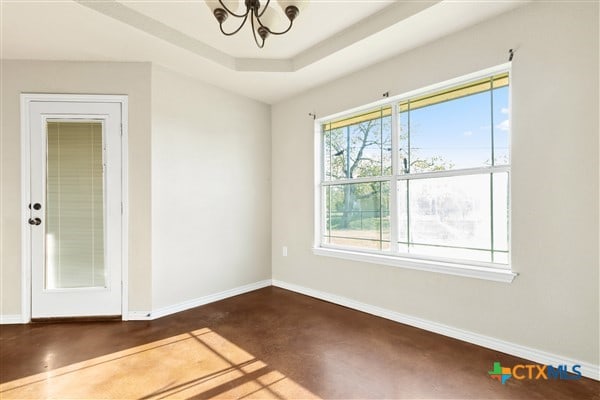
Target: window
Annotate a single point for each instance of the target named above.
(422, 180)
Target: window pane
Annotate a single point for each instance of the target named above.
(501, 257)
(403, 142)
(451, 252)
(450, 217)
(357, 215)
(333, 143)
(500, 212)
(501, 126)
(451, 134)
(75, 206)
(403, 211)
(358, 146)
(451, 211)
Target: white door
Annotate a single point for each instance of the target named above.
(75, 208)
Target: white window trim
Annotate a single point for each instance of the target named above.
(466, 268)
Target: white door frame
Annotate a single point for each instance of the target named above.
(26, 100)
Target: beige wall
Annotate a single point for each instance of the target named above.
(211, 210)
(199, 184)
(132, 79)
(553, 305)
(199, 179)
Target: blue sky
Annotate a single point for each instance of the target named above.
(460, 130)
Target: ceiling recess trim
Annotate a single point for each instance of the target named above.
(385, 18)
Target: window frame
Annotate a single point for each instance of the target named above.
(452, 266)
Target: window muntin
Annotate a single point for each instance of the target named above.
(447, 195)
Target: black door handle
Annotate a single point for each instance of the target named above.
(34, 221)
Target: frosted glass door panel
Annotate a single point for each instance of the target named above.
(74, 205)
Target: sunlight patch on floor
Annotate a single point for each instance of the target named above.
(199, 363)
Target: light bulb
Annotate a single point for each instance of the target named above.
(273, 19)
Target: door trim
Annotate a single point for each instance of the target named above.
(26, 100)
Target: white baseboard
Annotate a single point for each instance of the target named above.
(138, 316)
(11, 319)
(200, 301)
(587, 369)
(164, 311)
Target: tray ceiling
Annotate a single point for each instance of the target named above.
(330, 38)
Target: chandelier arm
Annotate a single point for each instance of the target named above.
(236, 31)
(263, 11)
(260, 46)
(231, 12)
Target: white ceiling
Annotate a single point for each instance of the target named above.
(330, 38)
(315, 24)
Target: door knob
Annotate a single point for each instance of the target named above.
(34, 221)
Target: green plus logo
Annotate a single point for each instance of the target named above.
(500, 373)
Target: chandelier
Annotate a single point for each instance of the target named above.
(262, 18)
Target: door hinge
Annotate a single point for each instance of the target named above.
(121, 208)
(121, 129)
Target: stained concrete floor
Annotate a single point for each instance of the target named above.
(270, 343)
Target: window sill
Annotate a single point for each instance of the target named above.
(470, 271)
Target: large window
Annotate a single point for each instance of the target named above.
(423, 177)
